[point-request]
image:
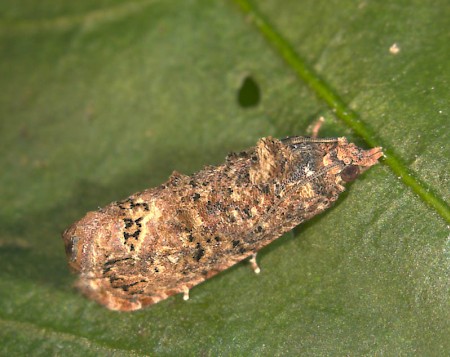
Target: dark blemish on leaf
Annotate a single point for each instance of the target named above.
(249, 94)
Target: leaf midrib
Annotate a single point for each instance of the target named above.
(342, 111)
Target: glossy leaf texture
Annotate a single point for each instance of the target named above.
(102, 99)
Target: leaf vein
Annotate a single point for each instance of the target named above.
(46, 332)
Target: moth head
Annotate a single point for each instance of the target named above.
(355, 160)
(77, 239)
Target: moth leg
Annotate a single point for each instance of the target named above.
(254, 264)
(316, 127)
(185, 293)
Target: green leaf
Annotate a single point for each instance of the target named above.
(99, 100)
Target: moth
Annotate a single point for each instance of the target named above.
(166, 240)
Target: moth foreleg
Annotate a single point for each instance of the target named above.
(185, 293)
(254, 264)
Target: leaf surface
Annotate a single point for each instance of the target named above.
(100, 100)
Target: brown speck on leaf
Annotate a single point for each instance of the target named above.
(394, 49)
